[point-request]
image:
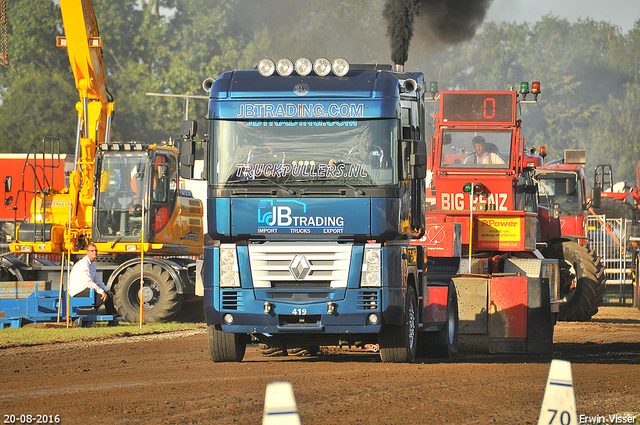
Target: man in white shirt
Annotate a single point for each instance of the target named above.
(481, 156)
(84, 277)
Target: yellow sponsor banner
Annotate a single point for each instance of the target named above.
(499, 233)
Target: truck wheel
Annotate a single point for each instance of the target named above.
(582, 281)
(398, 344)
(615, 208)
(225, 347)
(452, 330)
(443, 344)
(11, 269)
(160, 297)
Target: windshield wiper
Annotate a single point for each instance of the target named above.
(263, 179)
(338, 183)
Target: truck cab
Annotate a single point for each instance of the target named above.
(315, 188)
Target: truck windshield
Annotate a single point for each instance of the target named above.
(563, 191)
(121, 189)
(295, 152)
(476, 149)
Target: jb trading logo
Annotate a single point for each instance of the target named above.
(293, 215)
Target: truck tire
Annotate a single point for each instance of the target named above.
(443, 344)
(226, 347)
(12, 269)
(452, 329)
(398, 344)
(161, 300)
(582, 281)
(615, 208)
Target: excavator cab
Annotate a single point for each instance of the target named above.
(136, 190)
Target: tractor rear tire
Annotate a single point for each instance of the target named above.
(226, 347)
(615, 208)
(582, 281)
(398, 344)
(161, 300)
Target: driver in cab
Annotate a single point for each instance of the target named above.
(481, 155)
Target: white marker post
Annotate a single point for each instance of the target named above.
(559, 401)
(280, 405)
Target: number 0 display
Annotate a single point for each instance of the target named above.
(497, 107)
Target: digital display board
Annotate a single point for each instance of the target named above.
(496, 107)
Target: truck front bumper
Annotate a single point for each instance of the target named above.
(268, 311)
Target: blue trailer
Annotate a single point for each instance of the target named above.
(25, 302)
(316, 189)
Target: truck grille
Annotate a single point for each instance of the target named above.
(315, 265)
(231, 300)
(368, 300)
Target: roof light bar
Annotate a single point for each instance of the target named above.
(303, 67)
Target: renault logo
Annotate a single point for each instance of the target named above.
(299, 267)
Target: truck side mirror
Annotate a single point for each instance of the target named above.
(188, 129)
(596, 196)
(418, 160)
(531, 188)
(7, 189)
(187, 158)
(414, 154)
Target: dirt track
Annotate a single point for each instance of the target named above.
(169, 379)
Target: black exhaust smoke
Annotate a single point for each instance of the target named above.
(400, 15)
(447, 21)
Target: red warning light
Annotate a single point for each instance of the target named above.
(535, 87)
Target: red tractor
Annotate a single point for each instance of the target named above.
(482, 183)
(483, 177)
(563, 189)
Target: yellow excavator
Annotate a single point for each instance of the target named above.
(124, 197)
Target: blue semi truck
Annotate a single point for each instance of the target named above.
(316, 197)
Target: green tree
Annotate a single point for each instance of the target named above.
(37, 87)
(577, 64)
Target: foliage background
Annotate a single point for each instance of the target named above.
(589, 70)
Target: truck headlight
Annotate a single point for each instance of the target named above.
(229, 276)
(371, 270)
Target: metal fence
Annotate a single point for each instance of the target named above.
(612, 240)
